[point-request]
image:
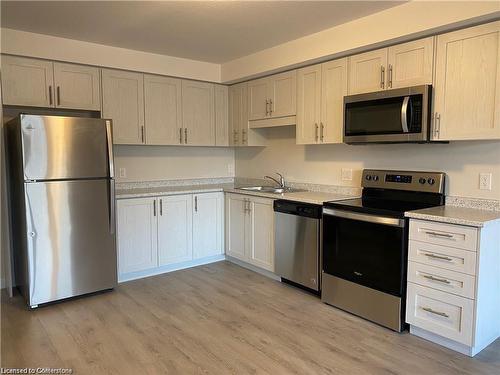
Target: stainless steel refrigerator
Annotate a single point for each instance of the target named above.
(62, 205)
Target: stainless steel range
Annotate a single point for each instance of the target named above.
(365, 243)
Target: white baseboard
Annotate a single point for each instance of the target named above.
(253, 268)
(443, 341)
(170, 268)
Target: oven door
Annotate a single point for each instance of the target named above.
(399, 115)
(365, 249)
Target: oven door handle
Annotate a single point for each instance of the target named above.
(384, 220)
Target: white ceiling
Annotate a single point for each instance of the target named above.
(212, 31)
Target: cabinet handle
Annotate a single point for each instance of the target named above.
(430, 277)
(58, 93)
(185, 135)
(321, 131)
(270, 107)
(438, 257)
(180, 136)
(50, 94)
(428, 309)
(161, 207)
(445, 235)
(316, 131)
(243, 138)
(267, 108)
(142, 133)
(154, 207)
(382, 77)
(195, 203)
(389, 84)
(437, 124)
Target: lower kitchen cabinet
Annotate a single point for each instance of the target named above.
(137, 229)
(160, 232)
(250, 230)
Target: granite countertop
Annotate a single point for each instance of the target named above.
(456, 215)
(314, 197)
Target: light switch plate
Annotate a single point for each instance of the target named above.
(485, 181)
(346, 174)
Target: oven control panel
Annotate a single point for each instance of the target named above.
(432, 182)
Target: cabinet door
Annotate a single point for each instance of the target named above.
(198, 113)
(77, 86)
(367, 71)
(283, 94)
(333, 90)
(308, 104)
(123, 102)
(236, 213)
(163, 110)
(410, 64)
(467, 86)
(27, 82)
(221, 116)
(136, 235)
(207, 224)
(258, 98)
(260, 233)
(175, 228)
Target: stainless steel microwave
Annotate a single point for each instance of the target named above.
(390, 116)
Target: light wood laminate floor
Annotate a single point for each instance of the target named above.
(216, 319)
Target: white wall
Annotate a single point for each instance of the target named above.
(150, 163)
(410, 20)
(54, 48)
(322, 164)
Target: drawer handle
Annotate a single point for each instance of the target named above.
(439, 234)
(437, 279)
(438, 257)
(428, 309)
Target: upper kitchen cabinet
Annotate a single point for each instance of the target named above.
(239, 132)
(41, 83)
(77, 86)
(320, 93)
(198, 113)
(402, 65)
(273, 99)
(467, 84)
(163, 110)
(123, 102)
(27, 82)
(221, 115)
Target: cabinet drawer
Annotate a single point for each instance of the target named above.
(444, 280)
(458, 236)
(441, 313)
(443, 257)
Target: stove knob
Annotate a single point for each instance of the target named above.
(431, 181)
(375, 178)
(368, 177)
(422, 180)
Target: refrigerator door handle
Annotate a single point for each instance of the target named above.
(112, 208)
(109, 136)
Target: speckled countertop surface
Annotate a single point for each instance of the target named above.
(456, 215)
(314, 197)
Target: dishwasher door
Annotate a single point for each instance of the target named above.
(297, 243)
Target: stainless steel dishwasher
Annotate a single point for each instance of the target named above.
(297, 243)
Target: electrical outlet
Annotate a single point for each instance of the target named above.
(123, 172)
(485, 181)
(346, 174)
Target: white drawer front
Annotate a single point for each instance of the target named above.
(441, 313)
(458, 236)
(441, 279)
(443, 257)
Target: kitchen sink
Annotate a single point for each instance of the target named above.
(270, 189)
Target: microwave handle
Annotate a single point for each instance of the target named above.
(404, 112)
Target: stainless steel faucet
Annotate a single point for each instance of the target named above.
(280, 182)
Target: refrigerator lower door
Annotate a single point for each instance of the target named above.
(70, 237)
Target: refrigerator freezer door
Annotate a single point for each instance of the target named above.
(71, 241)
(56, 147)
